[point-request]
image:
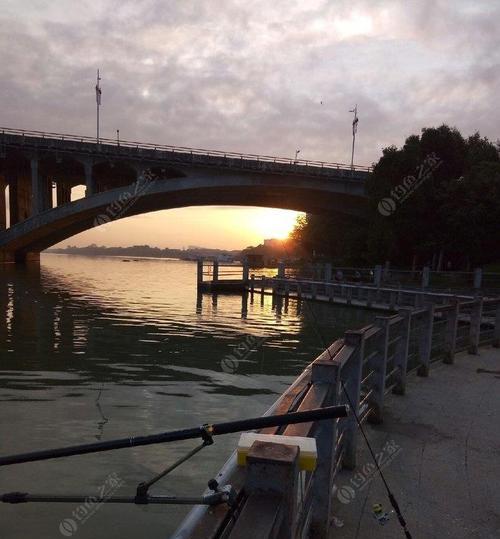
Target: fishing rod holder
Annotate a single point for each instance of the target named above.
(218, 496)
(141, 494)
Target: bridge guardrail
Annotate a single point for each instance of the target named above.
(369, 363)
(182, 149)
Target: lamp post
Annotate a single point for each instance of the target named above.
(296, 155)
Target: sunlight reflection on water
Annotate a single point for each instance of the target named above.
(93, 348)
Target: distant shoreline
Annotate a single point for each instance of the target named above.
(53, 253)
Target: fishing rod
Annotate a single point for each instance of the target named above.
(204, 431)
(225, 494)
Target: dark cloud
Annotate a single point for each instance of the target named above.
(250, 76)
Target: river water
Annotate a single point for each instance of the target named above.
(98, 348)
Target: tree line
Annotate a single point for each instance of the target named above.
(435, 201)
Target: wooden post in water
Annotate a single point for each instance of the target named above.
(200, 273)
(215, 276)
(246, 270)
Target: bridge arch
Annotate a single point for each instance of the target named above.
(315, 195)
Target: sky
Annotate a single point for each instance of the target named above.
(253, 77)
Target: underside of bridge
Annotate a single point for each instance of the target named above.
(37, 210)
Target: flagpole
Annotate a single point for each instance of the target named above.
(354, 130)
(98, 102)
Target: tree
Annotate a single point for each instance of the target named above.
(440, 204)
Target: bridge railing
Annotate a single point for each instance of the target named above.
(277, 500)
(118, 144)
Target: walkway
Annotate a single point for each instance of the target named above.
(440, 448)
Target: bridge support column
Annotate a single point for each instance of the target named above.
(13, 209)
(36, 188)
(3, 209)
(46, 195)
(89, 179)
(63, 194)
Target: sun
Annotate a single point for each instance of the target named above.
(273, 223)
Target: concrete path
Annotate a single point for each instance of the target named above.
(439, 447)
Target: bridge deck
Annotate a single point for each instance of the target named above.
(446, 468)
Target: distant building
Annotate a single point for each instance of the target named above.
(270, 253)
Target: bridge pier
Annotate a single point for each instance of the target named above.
(3, 209)
(89, 179)
(18, 257)
(36, 188)
(63, 193)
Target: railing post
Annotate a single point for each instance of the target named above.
(273, 470)
(401, 352)
(377, 275)
(379, 366)
(426, 274)
(369, 297)
(385, 275)
(324, 372)
(328, 272)
(314, 290)
(425, 341)
(215, 272)
(478, 276)
(246, 270)
(351, 375)
(496, 329)
(451, 332)
(349, 296)
(475, 325)
(200, 272)
(281, 270)
(392, 300)
(252, 283)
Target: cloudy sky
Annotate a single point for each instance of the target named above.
(249, 76)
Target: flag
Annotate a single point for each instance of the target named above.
(98, 93)
(355, 125)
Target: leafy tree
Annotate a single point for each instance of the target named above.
(445, 209)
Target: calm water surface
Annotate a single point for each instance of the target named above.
(97, 348)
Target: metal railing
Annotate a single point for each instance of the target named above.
(119, 144)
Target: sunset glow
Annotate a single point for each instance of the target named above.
(272, 223)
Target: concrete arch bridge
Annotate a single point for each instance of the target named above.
(121, 179)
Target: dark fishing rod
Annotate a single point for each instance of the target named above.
(204, 431)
